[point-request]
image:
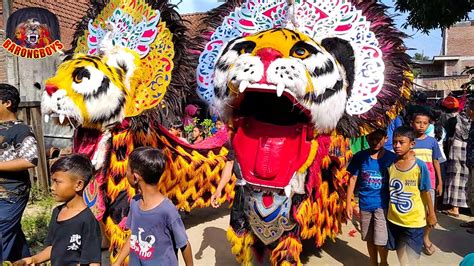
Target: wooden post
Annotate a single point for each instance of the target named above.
(30, 113)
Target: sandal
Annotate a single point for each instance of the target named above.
(450, 213)
(429, 250)
(467, 224)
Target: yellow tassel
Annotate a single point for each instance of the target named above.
(311, 156)
(287, 252)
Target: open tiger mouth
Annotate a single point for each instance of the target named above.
(61, 119)
(273, 134)
(32, 38)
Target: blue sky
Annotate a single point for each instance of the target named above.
(428, 44)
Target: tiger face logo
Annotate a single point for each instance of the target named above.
(33, 34)
(279, 75)
(91, 91)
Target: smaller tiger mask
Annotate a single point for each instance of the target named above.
(315, 77)
(92, 91)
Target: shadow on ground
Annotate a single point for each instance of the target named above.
(339, 250)
(216, 239)
(453, 239)
(199, 216)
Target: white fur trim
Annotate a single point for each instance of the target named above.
(326, 114)
(98, 158)
(281, 70)
(119, 56)
(105, 104)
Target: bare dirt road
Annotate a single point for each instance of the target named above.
(207, 228)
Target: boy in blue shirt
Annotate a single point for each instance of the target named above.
(368, 169)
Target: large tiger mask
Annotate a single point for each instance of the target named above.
(253, 72)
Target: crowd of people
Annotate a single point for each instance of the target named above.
(425, 154)
(421, 163)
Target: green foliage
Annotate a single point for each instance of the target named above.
(420, 57)
(426, 15)
(207, 125)
(35, 220)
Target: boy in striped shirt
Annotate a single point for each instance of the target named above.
(427, 149)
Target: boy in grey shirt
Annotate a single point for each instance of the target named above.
(157, 231)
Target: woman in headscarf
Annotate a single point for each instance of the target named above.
(456, 185)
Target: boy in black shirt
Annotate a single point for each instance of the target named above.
(74, 234)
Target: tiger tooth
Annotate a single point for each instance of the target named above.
(243, 85)
(280, 89)
(46, 118)
(61, 118)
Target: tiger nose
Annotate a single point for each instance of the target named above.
(268, 54)
(50, 89)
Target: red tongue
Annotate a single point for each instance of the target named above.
(267, 200)
(268, 158)
(85, 141)
(268, 154)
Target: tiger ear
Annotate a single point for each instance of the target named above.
(344, 54)
(125, 60)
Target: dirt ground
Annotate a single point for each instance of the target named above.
(207, 228)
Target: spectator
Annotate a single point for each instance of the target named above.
(18, 154)
(198, 134)
(191, 111)
(396, 123)
(177, 130)
(156, 229)
(427, 149)
(470, 164)
(74, 233)
(411, 208)
(369, 174)
(458, 173)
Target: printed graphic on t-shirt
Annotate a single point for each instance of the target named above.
(142, 245)
(75, 242)
(372, 179)
(400, 198)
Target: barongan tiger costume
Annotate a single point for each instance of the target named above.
(129, 72)
(291, 80)
(294, 78)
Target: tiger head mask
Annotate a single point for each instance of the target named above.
(281, 74)
(92, 91)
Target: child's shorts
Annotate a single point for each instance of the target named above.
(374, 226)
(397, 235)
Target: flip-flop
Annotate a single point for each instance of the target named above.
(429, 250)
(470, 230)
(467, 224)
(449, 213)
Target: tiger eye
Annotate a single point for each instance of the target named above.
(300, 51)
(77, 79)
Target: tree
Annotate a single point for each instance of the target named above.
(426, 15)
(420, 57)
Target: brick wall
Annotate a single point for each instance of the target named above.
(461, 39)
